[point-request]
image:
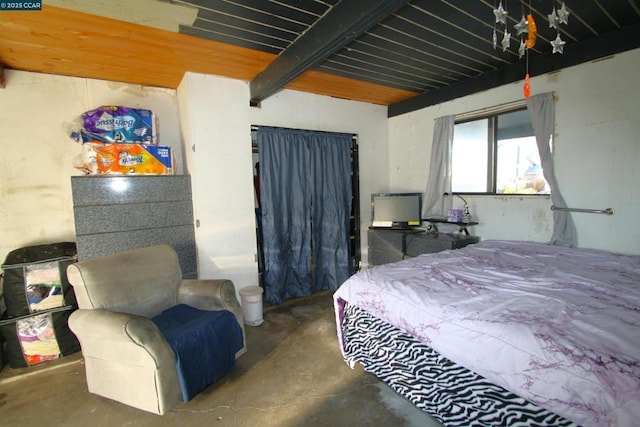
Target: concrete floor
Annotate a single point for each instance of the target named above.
(292, 375)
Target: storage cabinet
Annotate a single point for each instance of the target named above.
(118, 213)
(387, 246)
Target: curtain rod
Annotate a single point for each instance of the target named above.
(607, 211)
(487, 111)
(257, 127)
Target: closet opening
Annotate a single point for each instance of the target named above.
(307, 210)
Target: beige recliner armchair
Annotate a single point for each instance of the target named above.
(126, 356)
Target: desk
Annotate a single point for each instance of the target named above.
(389, 245)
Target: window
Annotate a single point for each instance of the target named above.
(497, 155)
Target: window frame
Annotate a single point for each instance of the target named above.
(492, 160)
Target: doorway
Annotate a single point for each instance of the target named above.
(307, 210)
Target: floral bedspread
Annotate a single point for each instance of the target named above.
(558, 326)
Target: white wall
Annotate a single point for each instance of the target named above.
(217, 118)
(36, 112)
(597, 158)
(214, 113)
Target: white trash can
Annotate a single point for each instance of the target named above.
(251, 299)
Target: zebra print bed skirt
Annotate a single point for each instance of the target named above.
(448, 392)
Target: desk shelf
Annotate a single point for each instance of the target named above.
(462, 225)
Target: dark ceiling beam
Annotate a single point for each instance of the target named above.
(343, 23)
(625, 39)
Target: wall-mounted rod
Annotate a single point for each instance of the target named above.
(607, 211)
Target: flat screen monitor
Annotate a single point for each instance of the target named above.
(396, 210)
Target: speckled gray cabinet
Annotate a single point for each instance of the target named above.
(118, 213)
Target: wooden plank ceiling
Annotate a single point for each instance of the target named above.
(66, 42)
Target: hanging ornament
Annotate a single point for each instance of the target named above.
(501, 14)
(563, 15)
(522, 26)
(501, 18)
(506, 40)
(527, 86)
(495, 39)
(553, 19)
(521, 49)
(533, 32)
(558, 44)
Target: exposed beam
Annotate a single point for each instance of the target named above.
(346, 21)
(627, 38)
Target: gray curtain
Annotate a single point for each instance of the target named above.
(542, 110)
(437, 204)
(305, 187)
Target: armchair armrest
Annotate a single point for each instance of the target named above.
(212, 295)
(209, 295)
(116, 336)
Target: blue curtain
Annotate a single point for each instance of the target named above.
(305, 191)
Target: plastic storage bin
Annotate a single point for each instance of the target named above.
(37, 338)
(38, 300)
(35, 278)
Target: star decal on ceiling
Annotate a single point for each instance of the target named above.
(558, 44)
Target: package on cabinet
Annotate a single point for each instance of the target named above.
(133, 159)
(86, 159)
(118, 124)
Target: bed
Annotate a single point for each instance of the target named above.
(502, 333)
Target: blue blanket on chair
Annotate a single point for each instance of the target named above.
(204, 342)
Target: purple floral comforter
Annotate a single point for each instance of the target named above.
(558, 326)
